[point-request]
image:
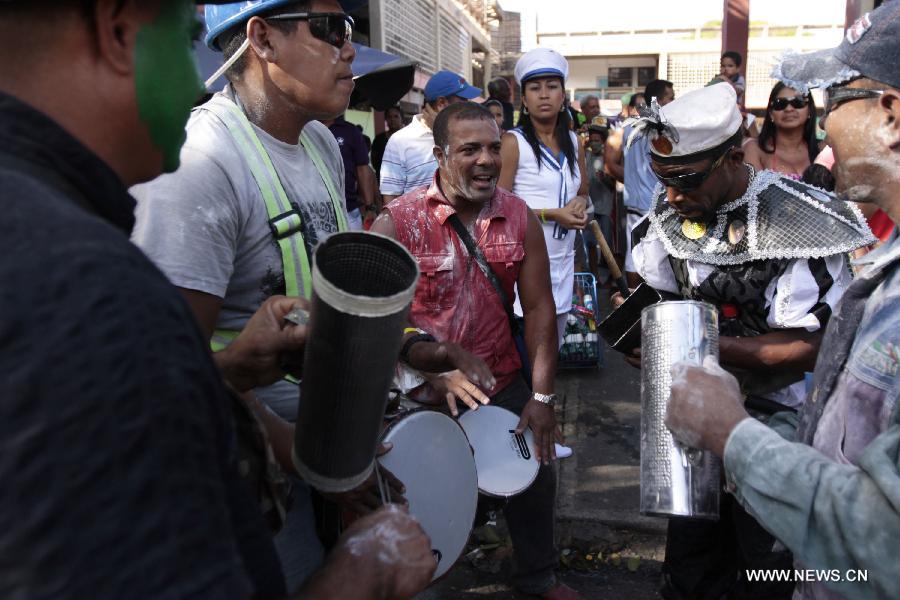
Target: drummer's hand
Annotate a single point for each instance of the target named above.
(261, 353)
(705, 405)
(542, 420)
(453, 386)
(446, 356)
(634, 359)
(365, 498)
(386, 551)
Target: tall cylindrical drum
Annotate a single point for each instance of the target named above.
(363, 284)
(675, 481)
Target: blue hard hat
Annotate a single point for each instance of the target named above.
(222, 17)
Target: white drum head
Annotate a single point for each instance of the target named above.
(431, 456)
(505, 461)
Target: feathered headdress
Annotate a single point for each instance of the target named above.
(654, 125)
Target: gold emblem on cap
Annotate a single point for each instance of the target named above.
(736, 231)
(662, 145)
(693, 230)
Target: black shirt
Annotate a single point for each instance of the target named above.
(118, 472)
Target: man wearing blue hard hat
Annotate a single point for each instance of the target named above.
(261, 183)
(125, 472)
(828, 487)
(409, 161)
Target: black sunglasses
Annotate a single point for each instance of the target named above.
(834, 96)
(686, 182)
(333, 28)
(797, 102)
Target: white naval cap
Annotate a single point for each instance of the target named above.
(541, 62)
(694, 126)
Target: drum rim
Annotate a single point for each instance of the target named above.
(410, 412)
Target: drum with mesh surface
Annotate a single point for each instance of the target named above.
(432, 457)
(505, 460)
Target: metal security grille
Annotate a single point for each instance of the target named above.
(408, 30)
(759, 77)
(454, 47)
(689, 72)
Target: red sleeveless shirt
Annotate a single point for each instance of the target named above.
(454, 300)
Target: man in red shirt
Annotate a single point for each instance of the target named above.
(456, 302)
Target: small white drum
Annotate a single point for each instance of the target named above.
(432, 457)
(505, 461)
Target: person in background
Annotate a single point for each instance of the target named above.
(628, 161)
(499, 89)
(409, 161)
(826, 482)
(590, 108)
(601, 188)
(393, 118)
(730, 72)
(496, 108)
(631, 104)
(543, 164)
(787, 142)
(359, 183)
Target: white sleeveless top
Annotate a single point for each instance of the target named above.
(550, 187)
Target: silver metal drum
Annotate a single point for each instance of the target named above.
(675, 481)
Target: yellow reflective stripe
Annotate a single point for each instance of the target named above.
(293, 249)
(287, 224)
(336, 199)
(221, 338)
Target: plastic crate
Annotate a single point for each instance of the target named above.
(581, 343)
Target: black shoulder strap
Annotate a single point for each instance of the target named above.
(476, 253)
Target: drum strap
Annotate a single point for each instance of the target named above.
(476, 253)
(514, 326)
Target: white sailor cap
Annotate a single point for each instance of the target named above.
(541, 62)
(697, 125)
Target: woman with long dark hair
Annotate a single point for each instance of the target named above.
(787, 142)
(543, 164)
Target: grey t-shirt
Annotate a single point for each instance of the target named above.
(206, 227)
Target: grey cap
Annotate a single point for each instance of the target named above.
(871, 48)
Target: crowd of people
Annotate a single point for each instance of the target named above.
(155, 246)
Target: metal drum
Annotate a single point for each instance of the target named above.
(675, 481)
(362, 286)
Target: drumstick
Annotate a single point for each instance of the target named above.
(610, 260)
(381, 485)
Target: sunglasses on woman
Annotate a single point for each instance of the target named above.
(333, 28)
(797, 102)
(685, 182)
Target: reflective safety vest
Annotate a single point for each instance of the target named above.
(284, 216)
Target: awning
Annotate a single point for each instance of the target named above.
(381, 78)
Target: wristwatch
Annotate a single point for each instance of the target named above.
(548, 399)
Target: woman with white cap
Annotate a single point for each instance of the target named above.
(543, 164)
